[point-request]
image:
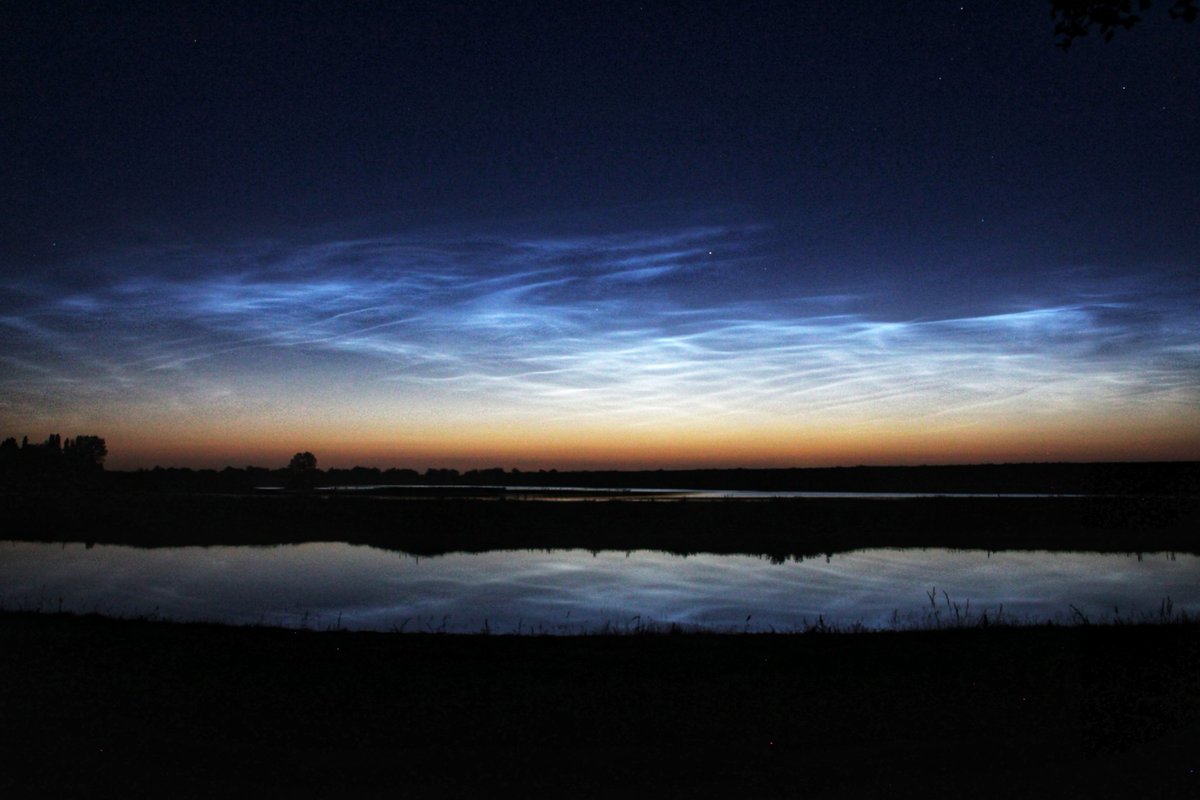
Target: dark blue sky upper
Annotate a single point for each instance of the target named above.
(183, 179)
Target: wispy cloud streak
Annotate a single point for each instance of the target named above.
(637, 330)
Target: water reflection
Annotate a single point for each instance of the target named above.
(326, 585)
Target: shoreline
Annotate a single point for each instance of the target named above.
(776, 528)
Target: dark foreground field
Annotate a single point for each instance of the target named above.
(91, 705)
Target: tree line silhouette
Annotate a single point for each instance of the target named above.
(56, 461)
(79, 462)
(1075, 18)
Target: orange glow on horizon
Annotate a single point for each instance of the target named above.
(530, 447)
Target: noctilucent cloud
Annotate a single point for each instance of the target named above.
(628, 235)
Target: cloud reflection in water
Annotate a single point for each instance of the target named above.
(322, 585)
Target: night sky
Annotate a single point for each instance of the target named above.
(598, 234)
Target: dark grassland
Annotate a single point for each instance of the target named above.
(91, 705)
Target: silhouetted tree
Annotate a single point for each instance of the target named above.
(85, 452)
(56, 462)
(441, 475)
(1075, 18)
(43, 461)
(303, 462)
(10, 453)
(394, 475)
(302, 470)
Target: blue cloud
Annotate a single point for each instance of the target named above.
(633, 329)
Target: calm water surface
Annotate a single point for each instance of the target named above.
(325, 585)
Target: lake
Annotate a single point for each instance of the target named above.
(329, 585)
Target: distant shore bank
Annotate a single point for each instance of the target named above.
(778, 528)
(1063, 478)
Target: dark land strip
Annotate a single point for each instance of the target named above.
(774, 528)
(91, 706)
(1097, 478)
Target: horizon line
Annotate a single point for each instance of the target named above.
(546, 470)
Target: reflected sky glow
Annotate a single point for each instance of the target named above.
(323, 585)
